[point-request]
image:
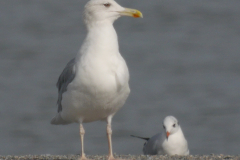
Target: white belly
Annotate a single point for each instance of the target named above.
(95, 93)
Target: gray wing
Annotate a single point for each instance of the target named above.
(64, 79)
(153, 145)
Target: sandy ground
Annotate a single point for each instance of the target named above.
(122, 157)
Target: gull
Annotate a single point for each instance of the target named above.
(170, 142)
(94, 85)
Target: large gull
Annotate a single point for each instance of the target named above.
(94, 85)
(170, 142)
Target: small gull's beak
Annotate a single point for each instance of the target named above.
(131, 12)
(168, 134)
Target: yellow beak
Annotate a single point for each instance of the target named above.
(131, 12)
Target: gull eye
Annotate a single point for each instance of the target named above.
(107, 5)
(163, 127)
(174, 125)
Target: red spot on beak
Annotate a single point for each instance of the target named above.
(168, 134)
(136, 15)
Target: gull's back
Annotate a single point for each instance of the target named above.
(154, 145)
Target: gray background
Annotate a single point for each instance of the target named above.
(183, 58)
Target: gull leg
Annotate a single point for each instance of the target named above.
(109, 135)
(82, 132)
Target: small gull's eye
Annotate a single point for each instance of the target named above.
(163, 127)
(107, 4)
(174, 125)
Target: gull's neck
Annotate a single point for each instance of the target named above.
(179, 133)
(100, 40)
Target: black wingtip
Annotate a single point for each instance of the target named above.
(140, 137)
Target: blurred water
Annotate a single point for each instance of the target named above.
(183, 58)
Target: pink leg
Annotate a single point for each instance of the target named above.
(82, 132)
(109, 135)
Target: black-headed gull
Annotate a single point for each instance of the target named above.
(170, 142)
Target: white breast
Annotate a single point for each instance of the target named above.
(100, 88)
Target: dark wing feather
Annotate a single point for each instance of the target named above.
(141, 137)
(64, 79)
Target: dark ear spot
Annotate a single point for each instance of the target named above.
(107, 5)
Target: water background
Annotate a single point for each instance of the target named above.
(183, 57)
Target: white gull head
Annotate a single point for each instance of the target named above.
(98, 11)
(170, 125)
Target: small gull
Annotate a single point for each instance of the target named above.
(94, 85)
(170, 142)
